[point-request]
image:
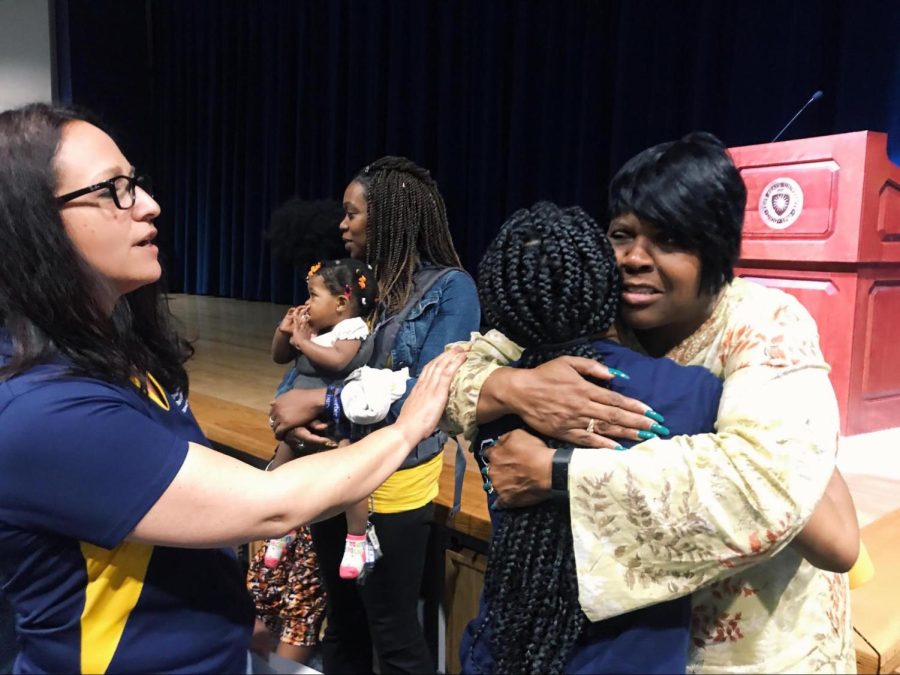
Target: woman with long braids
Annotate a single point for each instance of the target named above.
(117, 521)
(397, 223)
(713, 516)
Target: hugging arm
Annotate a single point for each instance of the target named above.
(830, 539)
(554, 398)
(670, 516)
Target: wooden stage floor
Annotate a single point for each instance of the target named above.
(231, 339)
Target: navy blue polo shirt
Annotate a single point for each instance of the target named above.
(81, 463)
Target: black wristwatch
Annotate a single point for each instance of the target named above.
(559, 472)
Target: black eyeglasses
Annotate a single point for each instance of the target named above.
(121, 188)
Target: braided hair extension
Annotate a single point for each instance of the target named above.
(548, 278)
(407, 223)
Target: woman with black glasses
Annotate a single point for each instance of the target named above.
(115, 518)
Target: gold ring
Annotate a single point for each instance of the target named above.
(590, 426)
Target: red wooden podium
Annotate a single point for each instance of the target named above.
(823, 223)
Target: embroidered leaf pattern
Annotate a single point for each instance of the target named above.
(756, 546)
(837, 613)
(739, 340)
(783, 341)
(710, 623)
(659, 532)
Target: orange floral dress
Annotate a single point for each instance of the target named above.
(712, 515)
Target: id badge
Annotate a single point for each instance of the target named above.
(372, 540)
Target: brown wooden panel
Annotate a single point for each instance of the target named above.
(876, 621)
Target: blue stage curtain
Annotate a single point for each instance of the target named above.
(236, 106)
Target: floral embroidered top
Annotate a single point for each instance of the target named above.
(712, 515)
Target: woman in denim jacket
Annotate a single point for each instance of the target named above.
(396, 221)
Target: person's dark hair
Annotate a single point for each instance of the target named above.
(407, 224)
(549, 281)
(50, 298)
(303, 231)
(350, 278)
(692, 191)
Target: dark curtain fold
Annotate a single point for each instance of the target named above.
(236, 106)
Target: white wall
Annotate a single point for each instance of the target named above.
(26, 61)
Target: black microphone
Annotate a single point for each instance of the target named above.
(814, 97)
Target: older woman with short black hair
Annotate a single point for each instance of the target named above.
(710, 515)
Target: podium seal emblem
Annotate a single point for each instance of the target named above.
(781, 203)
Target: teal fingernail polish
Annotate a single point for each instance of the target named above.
(646, 435)
(653, 415)
(620, 448)
(618, 373)
(660, 429)
(494, 506)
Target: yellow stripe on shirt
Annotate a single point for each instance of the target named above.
(155, 391)
(410, 488)
(115, 580)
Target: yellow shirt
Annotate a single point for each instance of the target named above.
(409, 489)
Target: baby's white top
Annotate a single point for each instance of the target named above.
(348, 329)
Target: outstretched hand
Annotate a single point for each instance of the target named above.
(294, 415)
(426, 402)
